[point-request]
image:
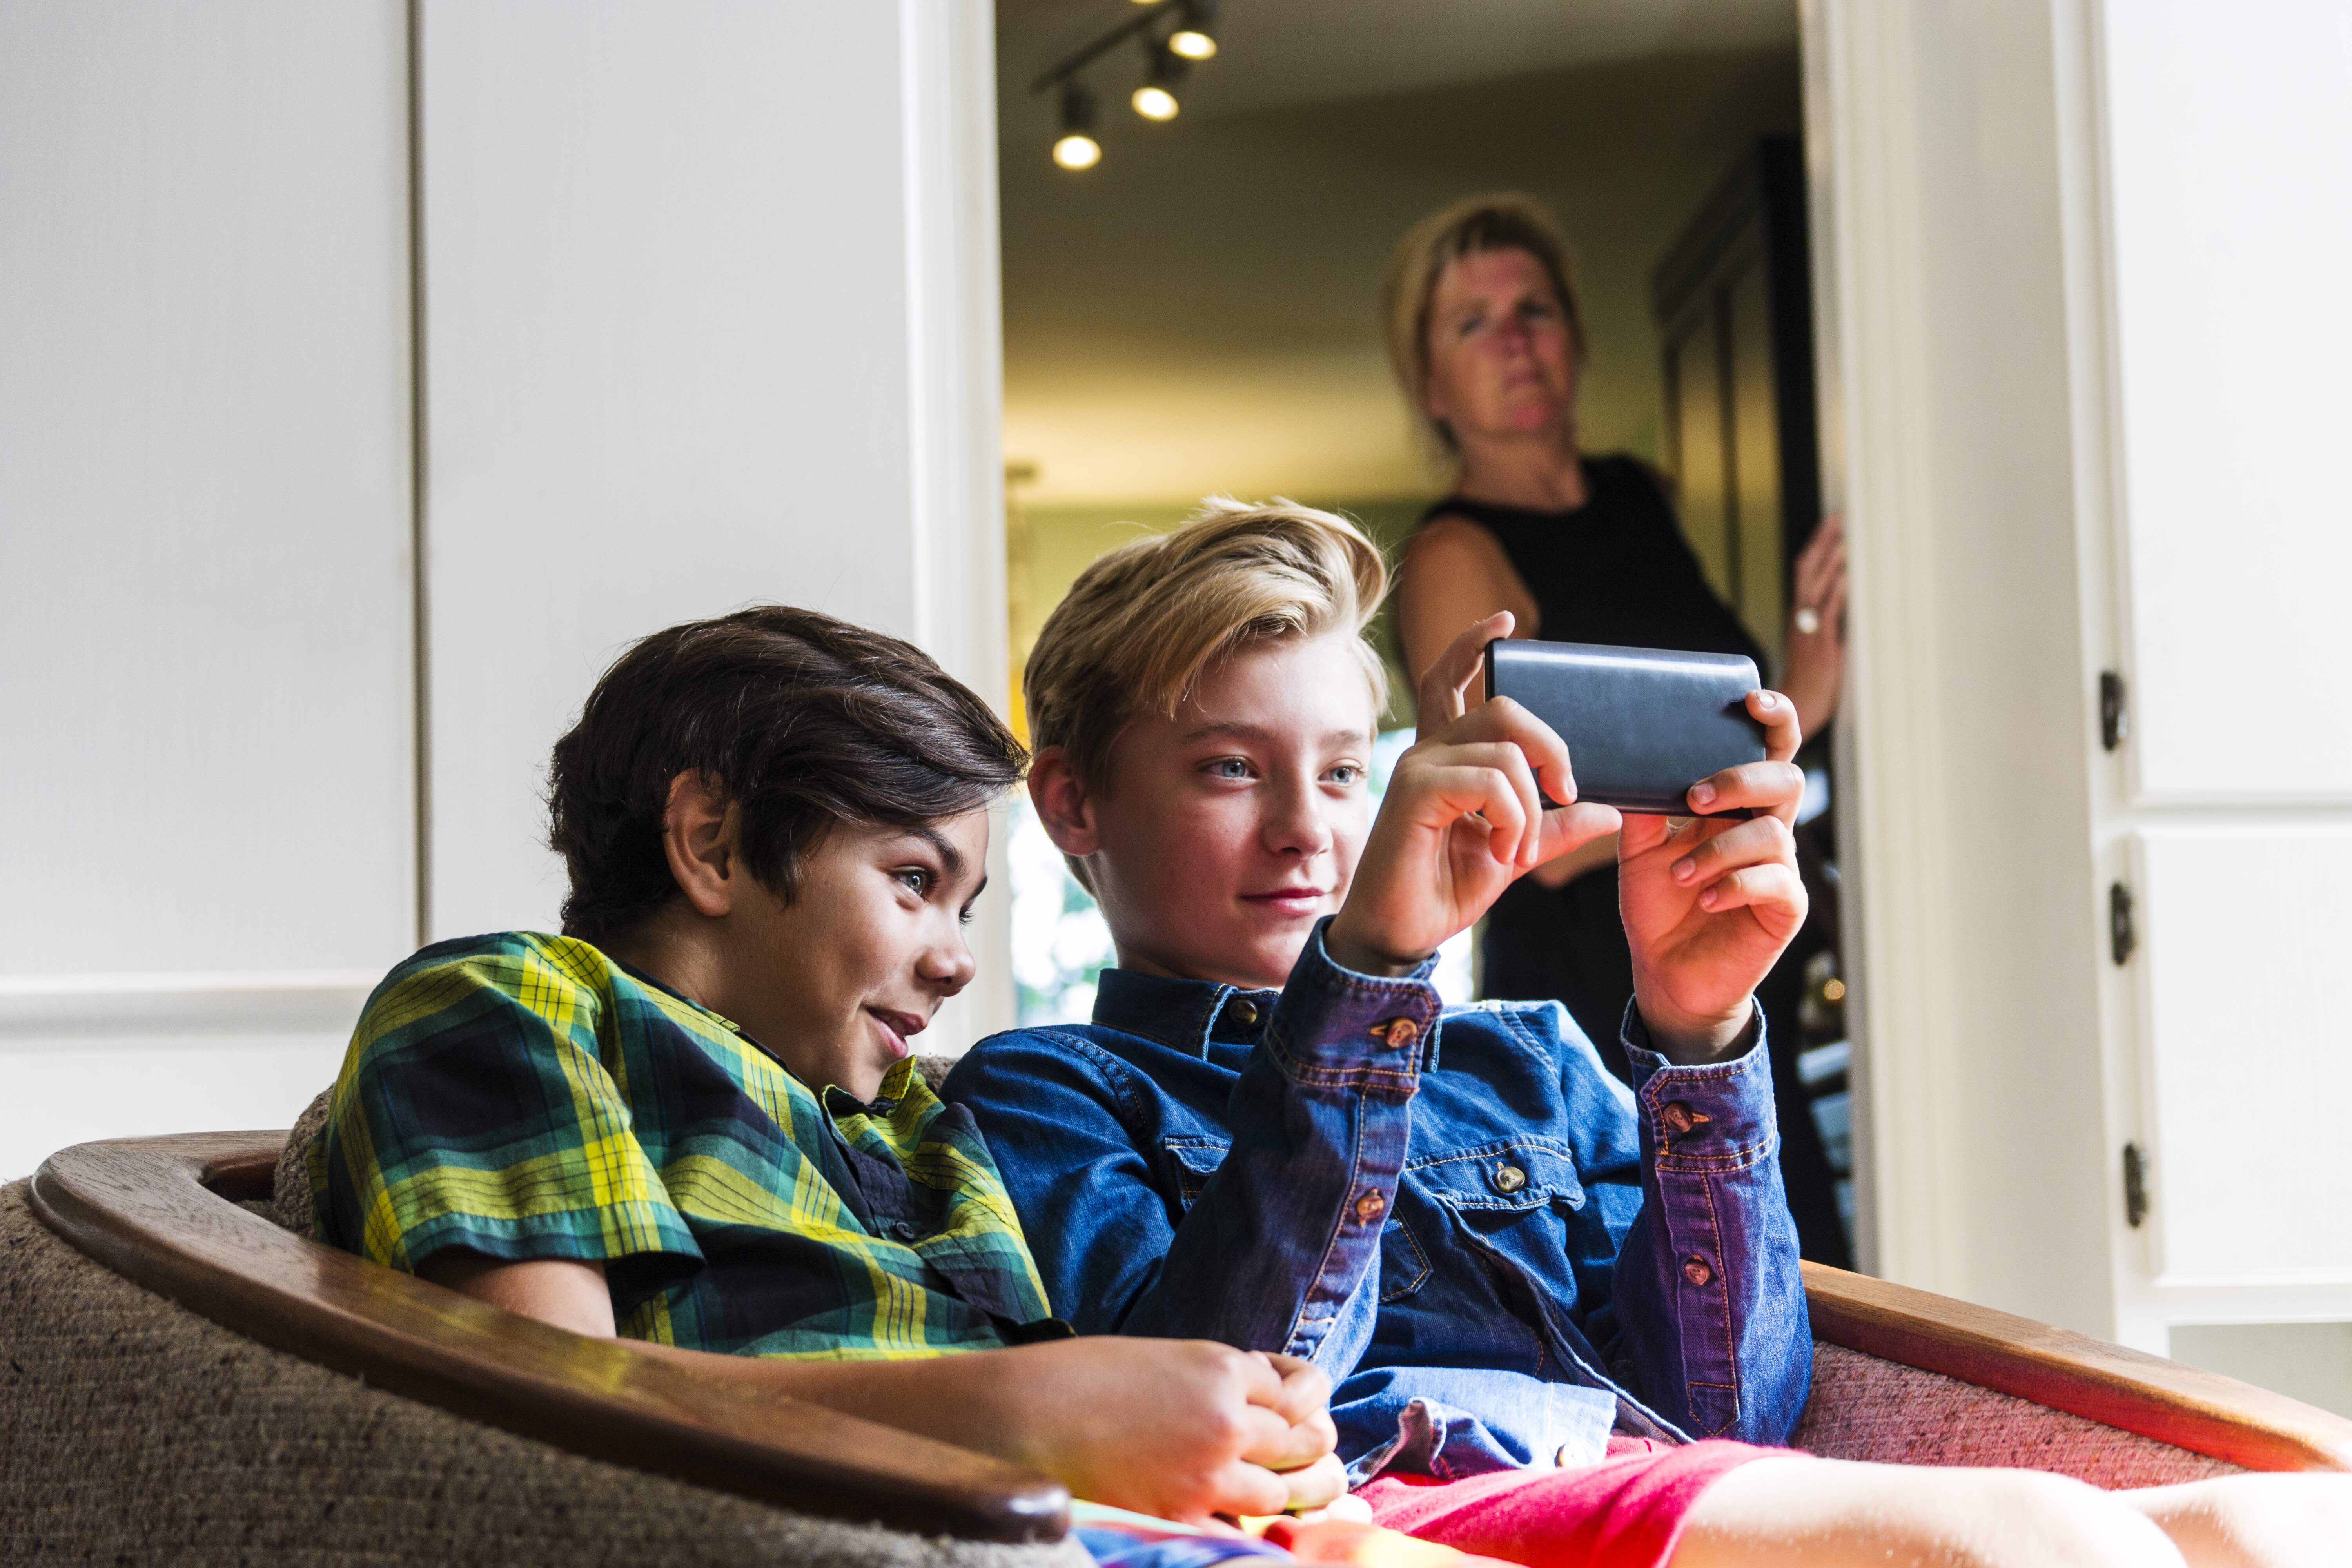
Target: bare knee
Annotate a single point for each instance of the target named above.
(1823, 1513)
(2254, 1521)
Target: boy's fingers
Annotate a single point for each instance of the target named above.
(1755, 842)
(1302, 1443)
(1240, 1488)
(1505, 720)
(1445, 685)
(1305, 1392)
(1768, 888)
(1487, 790)
(1317, 1484)
(1776, 788)
(1769, 788)
(1782, 734)
(1573, 826)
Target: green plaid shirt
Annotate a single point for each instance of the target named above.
(526, 1097)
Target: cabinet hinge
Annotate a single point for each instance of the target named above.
(2123, 933)
(2114, 719)
(2135, 1186)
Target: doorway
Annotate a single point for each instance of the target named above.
(1196, 310)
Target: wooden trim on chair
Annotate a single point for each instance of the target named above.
(2189, 1408)
(160, 1212)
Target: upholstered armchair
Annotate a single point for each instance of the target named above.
(187, 1377)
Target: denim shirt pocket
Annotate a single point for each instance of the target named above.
(1506, 1177)
(1188, 1163)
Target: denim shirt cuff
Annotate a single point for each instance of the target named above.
(1341, 1029)
(1714, 1115)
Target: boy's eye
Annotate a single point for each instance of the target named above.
(915, 880)
(1345, 774)
(1229, 768)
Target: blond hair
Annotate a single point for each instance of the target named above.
(1146, 622)
(1471, 227)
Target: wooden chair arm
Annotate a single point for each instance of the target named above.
(160, 1212)
(2189, 1408)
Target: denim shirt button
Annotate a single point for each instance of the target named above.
(1680, 1118)
(1396, 1032)
(1243, 1012)
(1509, 1179)
(1696, 1270)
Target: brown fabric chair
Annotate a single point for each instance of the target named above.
(186, 1378)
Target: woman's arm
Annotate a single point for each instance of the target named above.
(1453, 575)
(1177, 1428)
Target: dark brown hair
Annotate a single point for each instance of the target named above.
(804, 722)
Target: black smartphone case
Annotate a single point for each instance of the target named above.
(1642, 724)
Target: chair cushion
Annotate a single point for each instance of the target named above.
(1866, 1408)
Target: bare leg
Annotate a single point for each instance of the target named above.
(1830, 1514)
(2254, 1521)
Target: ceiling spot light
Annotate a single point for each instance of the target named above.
(1077, 148)
(1156, 98)
(1155, 102)
(1196, 39)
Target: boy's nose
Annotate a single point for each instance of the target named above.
(949, 966)
(1298, 828)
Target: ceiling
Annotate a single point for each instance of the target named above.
(1330, 51)
(1199, 313)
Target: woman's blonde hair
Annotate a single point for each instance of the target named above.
(1501, 222)
(1143, 624)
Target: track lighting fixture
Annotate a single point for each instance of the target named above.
(1197, 38)
(1077, 148)
(1156, 98)
(1168, 56)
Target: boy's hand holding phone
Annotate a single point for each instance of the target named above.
(1461, 820)
(1708, 905)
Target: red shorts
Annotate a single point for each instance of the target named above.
(1625, 1512)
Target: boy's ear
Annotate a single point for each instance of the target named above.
(699, 832)
(1064, 803)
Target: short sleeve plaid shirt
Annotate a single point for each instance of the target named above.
(526, 1097)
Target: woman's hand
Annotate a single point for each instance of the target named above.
(1710, 904)
(1462, 818)
(1813, 672)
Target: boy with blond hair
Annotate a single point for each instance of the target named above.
(1563, 1318)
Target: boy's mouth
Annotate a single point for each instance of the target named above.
(1288, 901)
(896, 1028)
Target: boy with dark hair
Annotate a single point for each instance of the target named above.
(692, 1118)
(1545, 1300)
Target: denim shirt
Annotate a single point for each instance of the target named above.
(1497, 1252)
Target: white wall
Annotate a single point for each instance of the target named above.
(707, 314)
(207, 779)
(2082, 318)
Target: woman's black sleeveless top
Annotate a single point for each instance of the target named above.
(1615, 570)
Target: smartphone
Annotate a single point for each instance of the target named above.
(1642, 725)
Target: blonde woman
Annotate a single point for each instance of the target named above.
(1488, 347)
